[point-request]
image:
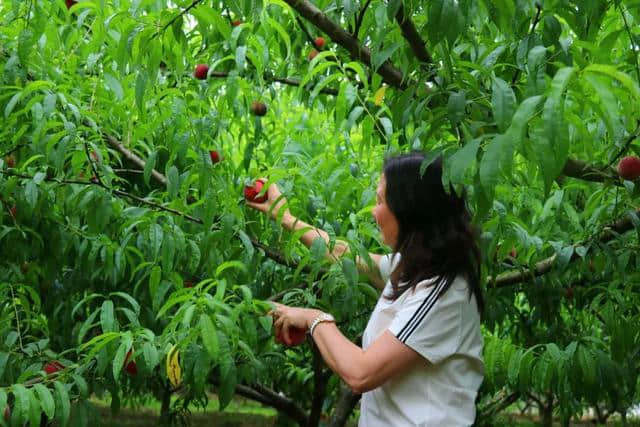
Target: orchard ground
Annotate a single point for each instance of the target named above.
(246, 413)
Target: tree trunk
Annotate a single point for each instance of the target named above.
(165, 409)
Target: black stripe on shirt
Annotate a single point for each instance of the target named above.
(421, 312)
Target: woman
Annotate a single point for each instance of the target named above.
(421, 359)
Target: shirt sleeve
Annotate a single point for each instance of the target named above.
(429, 325)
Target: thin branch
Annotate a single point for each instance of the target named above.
(631, 39)
(270, 253)
(608, 233)
(410, 32)
(175, 18)
(626, 144)
(133, 158)
(304, 30)
(360, 18)
(533, 27)
(14, 149)
(578, 169)
(283, 80)
(390, 74)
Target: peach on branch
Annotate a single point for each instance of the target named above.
(201, 71)
(215, 156)
(258, 108)
(629, 168)
(52, 367)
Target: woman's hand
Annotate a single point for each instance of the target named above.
(286, 319)
(274, 202)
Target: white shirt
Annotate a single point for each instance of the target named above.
(446, 332)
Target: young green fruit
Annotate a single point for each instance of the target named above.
(258, 108)
(201, 71)
(52, 367)
(215, 156)
(319, 42)
(251, 192)
(629, 168)
(296, 337)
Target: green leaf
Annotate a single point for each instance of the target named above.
(228, 379)
(150, 355)
(46, 400)
(443, 21)
(148, 167)
(379, 57)
(121, 354)
(456, 107)
(350, 271)
(63, 404)
(34, 409)
(209, 336)
(318, 249)
(536, 69)
(503, 100)
(21, 404)
(141, 84)
(107, 319)
(498, 158)
(173, 182)
(114, 85)
(621, 77)
(461, 161)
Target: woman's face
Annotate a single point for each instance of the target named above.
(387, 222)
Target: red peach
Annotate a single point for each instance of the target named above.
(629, 168)
(201, 71)
(215, 156)
(251, 192)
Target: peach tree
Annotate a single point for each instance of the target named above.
(131, 267)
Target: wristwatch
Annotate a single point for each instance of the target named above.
(322, 317)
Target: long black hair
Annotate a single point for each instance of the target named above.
(436, 238)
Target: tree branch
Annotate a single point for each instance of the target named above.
(607, 234)
(283, 403)
(578, 169)
(175, 18)
(320, 379)
(283, 80)
(410, 32)
(346, 402)
(133, 158)
(389, 73)
(626, 144)
(533, 27)
(360, 18)
(270, 253)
